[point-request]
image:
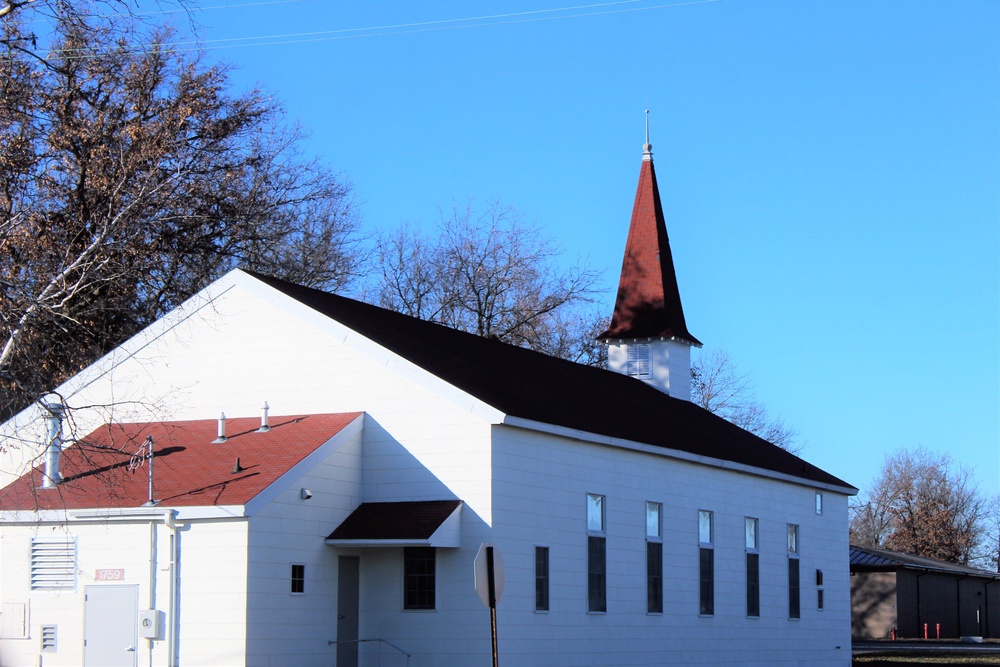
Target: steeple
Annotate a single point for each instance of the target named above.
(648, 337)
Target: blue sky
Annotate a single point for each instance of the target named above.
(830, 173)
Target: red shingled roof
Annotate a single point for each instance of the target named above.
(649, 302)
(188, 469)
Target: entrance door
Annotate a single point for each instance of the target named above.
(109, 625)
(347, 611)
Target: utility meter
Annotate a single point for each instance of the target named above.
(151, 624)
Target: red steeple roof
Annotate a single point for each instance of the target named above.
(649, 302)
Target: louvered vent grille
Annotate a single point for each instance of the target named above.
(53, 563)
(48, 639)
(639, 364)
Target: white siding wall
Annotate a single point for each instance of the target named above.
(293, 629)
(670, 365)
(232, 355)
(541, 484)
(212, 600)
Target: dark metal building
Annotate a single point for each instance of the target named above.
(904, 596)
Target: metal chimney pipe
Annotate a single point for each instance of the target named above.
(222, 430)
(264, 427)
(53, 448)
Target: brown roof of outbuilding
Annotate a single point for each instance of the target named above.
(871, 559)
(649, 301)
(534, 386)
(188, 469)
(417, 520)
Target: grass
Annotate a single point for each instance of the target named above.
(940, 658)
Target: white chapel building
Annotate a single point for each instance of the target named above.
(333, 515)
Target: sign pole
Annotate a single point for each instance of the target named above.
(493, 604)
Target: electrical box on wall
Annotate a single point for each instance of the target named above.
(151, 623)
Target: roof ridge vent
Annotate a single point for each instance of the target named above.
(222, 430)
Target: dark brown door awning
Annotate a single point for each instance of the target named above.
(432, 523)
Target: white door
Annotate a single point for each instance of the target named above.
(109, 626)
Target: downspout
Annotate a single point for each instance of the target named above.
(986, 606)
(173, 618)
(152, 579)
(958, 602)
(920, 614)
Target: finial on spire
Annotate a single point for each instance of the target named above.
(647, 148)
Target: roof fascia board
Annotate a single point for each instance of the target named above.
(389, 543)
(134, 345)
(449, 533)
(272, 490)
(66, 516)
(585, 436)
(371, 349)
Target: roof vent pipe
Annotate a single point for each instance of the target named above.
(264, 428)
(222, 430)
(53, 422)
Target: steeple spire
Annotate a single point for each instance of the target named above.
(647, 148)
(648, 308)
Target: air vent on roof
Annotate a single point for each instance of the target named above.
(264, 428)
(222, 430)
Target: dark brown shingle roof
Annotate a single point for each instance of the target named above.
(534, 386)
(416, 520)
(871, 559)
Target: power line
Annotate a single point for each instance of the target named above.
(512, 18)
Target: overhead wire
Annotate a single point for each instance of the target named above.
(417, 27)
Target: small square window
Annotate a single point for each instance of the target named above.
(298, 578)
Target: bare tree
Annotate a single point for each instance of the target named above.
(131, 179)
(718, 386)
(924, 504)
(493, 274)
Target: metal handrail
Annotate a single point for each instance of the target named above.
(380, 641)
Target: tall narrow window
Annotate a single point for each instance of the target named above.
(419, 577)
(819, 589)
(541, 578)
(819, 503)
(753, 567)
(706, 563)
(654, 558)
(597, 584)
(794, 588)
(298, 578)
